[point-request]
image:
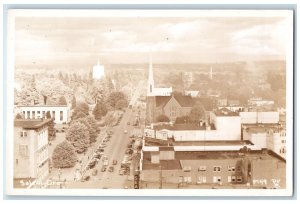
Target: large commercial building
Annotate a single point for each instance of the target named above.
(60, 113)
(223, 125)
(31, 150)
(270, 136)
(220, 163)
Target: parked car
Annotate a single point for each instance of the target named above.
(103, 169)
(111, 169)
(100, 150)
(121, 172)
(92, 164)
(85, 178)
(97, 156)
(95, 172)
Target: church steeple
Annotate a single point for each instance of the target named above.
(150, 77)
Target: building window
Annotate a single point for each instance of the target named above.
(28, 114)
(201, 179)
(180, 179)
(17, 161)
(43, 114)
(238, 168)
(231, 179)
(187, 169)
(23, 150)
(38, 112)
(33, 114)
(187, 179)
(239, 179)
(202, 168)
(217, 168)
(23, 134)
(231, 168)
(61, 116)
(216, 179)
(53, 114)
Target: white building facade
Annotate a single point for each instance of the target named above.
(60, 113)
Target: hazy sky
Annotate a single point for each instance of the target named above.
(78, 41)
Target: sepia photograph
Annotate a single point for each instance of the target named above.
(150, 102)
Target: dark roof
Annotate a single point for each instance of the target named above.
(31, 123)
(184, 101)
(163, 165)
(161, 100)
(225, 112)
(166, 148)
(182, 127)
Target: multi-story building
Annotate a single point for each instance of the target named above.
(60, 113)
(31, 149)
(211, 165)
(260, 102)
(264, 117)
(223, 125)
(270, 136)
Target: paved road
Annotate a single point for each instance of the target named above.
(115, 150)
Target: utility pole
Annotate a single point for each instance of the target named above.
(160, 177)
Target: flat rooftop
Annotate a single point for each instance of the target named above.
(262, 128)
(31, 123)
(182, 127)
(200, 155)
(42, 106)
(171, 142)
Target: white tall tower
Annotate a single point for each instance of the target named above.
(98, 70)
(150, 78)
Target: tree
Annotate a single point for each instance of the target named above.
(121, 104)
(78, 136)
(64, 155)
(114, 97)
(197, 113)
(62, 101)
(162, 118)
(19, 116)
(48, 115)
(99, 110)
(51, 130)
(73, 102)
(182, 120)
(92, 131)
(78, 114)
(91, 120)
(83, 106)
